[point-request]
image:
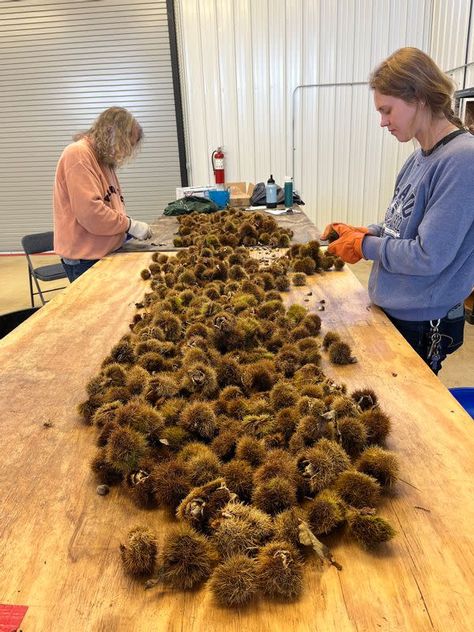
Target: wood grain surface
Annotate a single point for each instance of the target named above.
(59, 540)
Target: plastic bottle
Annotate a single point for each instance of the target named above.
(271, 193)
(288, 192)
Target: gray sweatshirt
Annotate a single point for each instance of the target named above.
(423, 252)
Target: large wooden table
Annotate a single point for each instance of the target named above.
(59, 540)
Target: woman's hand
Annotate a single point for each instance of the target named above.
(336, 228)
(139, 230)
(349, 244)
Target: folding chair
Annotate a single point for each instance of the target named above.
(36, 244)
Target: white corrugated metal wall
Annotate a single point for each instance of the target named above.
(61, 63)
(242, 59)
(453, 23)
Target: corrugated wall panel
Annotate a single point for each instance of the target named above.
(470, 54)
(449, 36)
(344, 164)
(63, 62)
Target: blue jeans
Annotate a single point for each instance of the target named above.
(418, 335)
(74, 271)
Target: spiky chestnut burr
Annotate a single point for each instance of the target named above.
(277, 463)
(308, 406)
(115, 375)
(105, 432)
(282, 283)
(377, 425)
(124, 449)
(170, 324)
(161, 387)
(353, 435)
(305, 265)
(286, 421)
(269, 309)
(199, 418)
(379, 463)
(140, 551)
(307, 375)
(364, 398)
(358, 489)
(260, 376)
(325, 512)
(172, 483)
(203, 503)
(339, 456)
(329, 338)
(286, 525)
(274, 495)
(122, 353)
(187, 558)
(343, 407)
(203, 468)
(87, 409)
(140, 416)
(104, 471)
(369, 530)
(106, 413)
(152, 362)
(234, 582)
(296, 313)
(250, 450)
(137, 380)
(142, 488)
(317, 470)
(240, 528)
(341, 353)
(326, 263)
(224, 444)
(312, 428)
(238, 476)
(288, 360)
(280, 571)
(299, 279)
(199, 379)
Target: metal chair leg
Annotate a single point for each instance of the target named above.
(31, 288)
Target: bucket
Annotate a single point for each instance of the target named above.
(9, 321)
(221, 198)
(465, 396)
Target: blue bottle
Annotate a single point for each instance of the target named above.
(271, 193)
(288, 192)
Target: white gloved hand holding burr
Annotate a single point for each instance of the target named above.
(139, 230)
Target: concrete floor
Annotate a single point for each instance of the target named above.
(457, 369)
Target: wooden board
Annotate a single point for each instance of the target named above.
(59, 539)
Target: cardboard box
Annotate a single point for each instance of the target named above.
(240, 193)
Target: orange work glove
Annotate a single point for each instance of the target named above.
(339, 227)
(349, 245)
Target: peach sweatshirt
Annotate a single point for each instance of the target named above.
(89, 212)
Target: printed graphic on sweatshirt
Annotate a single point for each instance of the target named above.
(111, 191)
(399, 210)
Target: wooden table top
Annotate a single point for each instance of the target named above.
(59, 540)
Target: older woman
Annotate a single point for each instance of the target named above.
(423, 252)
(89, 210)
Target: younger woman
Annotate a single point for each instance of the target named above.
(423, 252)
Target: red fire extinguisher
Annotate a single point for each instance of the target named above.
(217, 158)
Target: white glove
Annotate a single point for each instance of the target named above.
(139, 230)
